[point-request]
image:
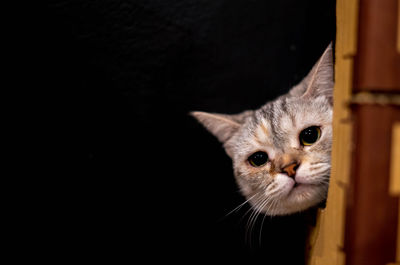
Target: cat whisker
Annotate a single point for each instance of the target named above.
(253, 219)
(251, 207)
(270, 203)
(273, 205)
(241, 205)
(323, 181)
(253, 210)
(249, 226)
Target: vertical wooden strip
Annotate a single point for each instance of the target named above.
(394, 187)
(330, 238)
(349, 15)
(398, 237)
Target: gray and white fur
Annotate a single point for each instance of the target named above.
(274, 129)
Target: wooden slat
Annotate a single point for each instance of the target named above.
(398, 237)
(348, 17)
(329, 239)
(329, 243)
(394, 187)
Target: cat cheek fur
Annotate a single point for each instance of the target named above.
(316, 173)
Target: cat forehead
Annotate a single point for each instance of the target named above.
(293, 111)
(278, 123)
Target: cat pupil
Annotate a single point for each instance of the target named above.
(310, 135)
(258, 159)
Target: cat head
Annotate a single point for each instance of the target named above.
(281, 151)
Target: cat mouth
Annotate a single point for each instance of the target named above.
(298, 187)
(299, 184)
(300, 191)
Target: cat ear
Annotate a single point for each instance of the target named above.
(319, 81)
(222, 126)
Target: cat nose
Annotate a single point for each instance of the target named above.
(290, 170)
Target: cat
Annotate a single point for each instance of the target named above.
(281, 152)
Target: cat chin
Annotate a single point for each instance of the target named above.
(297, 198)
(288, 209)
(303, 197)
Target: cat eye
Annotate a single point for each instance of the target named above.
(258, 159)
(309, 135)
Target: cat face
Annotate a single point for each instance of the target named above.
(281, 152)
(281, 155)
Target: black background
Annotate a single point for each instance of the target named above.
(155, 184)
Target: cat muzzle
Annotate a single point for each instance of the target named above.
(290, 170)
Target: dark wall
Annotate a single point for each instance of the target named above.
(126, 74)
